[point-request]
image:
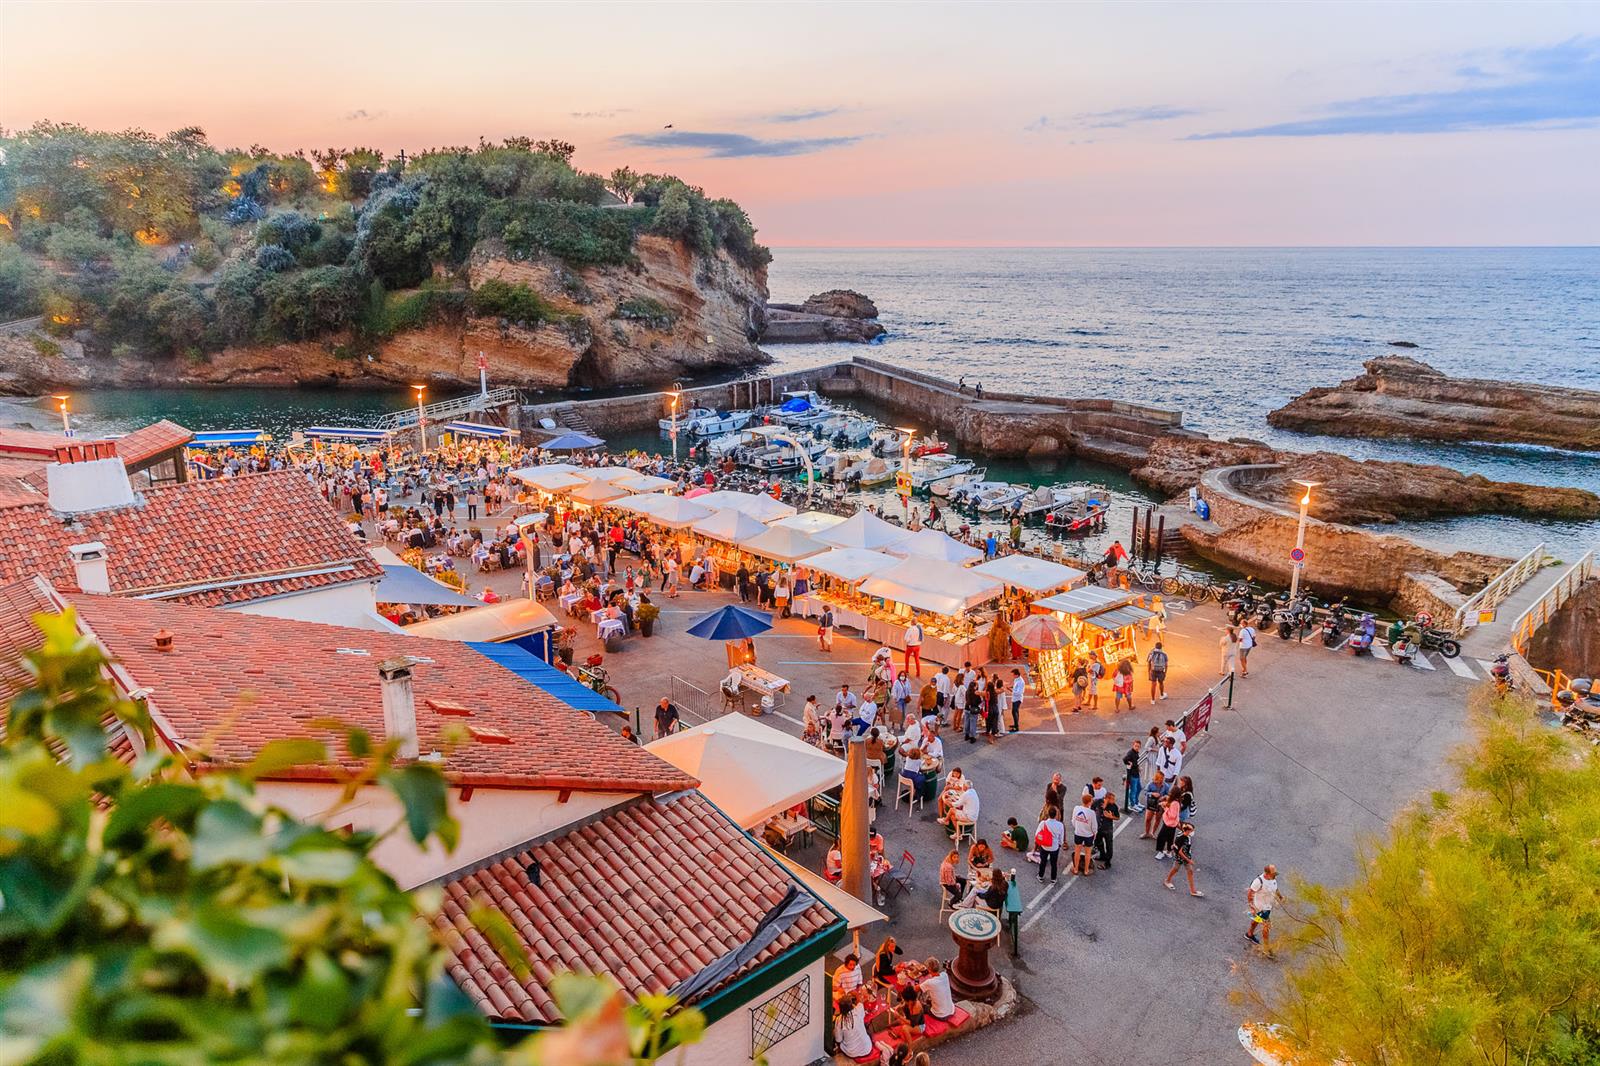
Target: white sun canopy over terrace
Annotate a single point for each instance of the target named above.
(557, 477)
(784, 545)
(852, 564)
(597, 492)
(810, 522)
(863, 530)
(730, 526)
(675, 512)
(752, 771)
(645, 504)
(932, 585)
(757, 505)
(1029, 573)
(604, 473)
(644, 483)
(935, 544)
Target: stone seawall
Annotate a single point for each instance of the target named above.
(999, 424)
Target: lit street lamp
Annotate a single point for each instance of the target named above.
(673, 422)
(1298, 557)
(905, 469)
(61, 399)
(422, 422)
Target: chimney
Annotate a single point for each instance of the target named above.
(399, 704)
(85, 477)
(89, 561)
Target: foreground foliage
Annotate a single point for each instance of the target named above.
(1472, 934)
(148, 915)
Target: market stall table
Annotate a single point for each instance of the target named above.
(763, 681)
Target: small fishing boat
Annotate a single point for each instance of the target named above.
(802, 409)
(953, 485)
(929, 445)
(716, 423)
(963, 491)
(847, 429)
(1081, 510)
(684, 422)
(926, 473)
(1002, 499)
(779, 449)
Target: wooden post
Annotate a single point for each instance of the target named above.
(853, 817)
(1147, 514)
(1161, 539)
(1133, 538)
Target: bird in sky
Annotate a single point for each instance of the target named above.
(668, 126)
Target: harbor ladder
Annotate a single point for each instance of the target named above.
(448, 410)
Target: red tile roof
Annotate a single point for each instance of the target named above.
(260, 534)
(19, 602)
(150, 441)
(39, 446)
(235, 681)
(650, 894)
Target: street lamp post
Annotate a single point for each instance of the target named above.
(905, 469)
(673, 432)
(66, 416)
(1299, 556)
(422, 422)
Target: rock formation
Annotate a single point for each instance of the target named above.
(1399, 396)
(1570, 641)
(1359, 492)
(835, 315)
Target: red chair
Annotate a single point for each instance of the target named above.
(899, 879)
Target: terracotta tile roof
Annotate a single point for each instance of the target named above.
(150, 441)
(37, 444)
(40, 446)
(265, 534)
(19, 602)
(235, 681)
(650, 893)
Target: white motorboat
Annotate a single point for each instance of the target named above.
(1047, 498)
(802, 409)
(716, 423)
(886, 440)
(684, 423)
(848, 429)
(1001, 498)
(953, 486)
(926, 473)
(778, 449)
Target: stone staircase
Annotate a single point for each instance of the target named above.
(570, 417)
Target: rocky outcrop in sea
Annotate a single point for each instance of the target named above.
(835, 315)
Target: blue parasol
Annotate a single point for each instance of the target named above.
(731, 623)
(568, 442)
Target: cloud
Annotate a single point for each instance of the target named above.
(613, 113)
(733, 145)
(1557, 85)
(803, 116)
(1116, 119)
(361, 114)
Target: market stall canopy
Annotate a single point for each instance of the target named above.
(674, 512)
(1041, 632)
(935, 544)
(488, 622)
(644, 483)
(1085, 600)
(752, 771)
(1029, 573)
(730, 526)
(229, 438)
(757, 505)
(478, 429)
(571, 442)
(605, 474)
(644, 503)
(863, 530)
(347, 433)
(597, 492)
(1118, 617)
(406, 584)
(730, 623)
(809, 522)
(783, 544)
(852, 564)
(555, 478)
(931, 585)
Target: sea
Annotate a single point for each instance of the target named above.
(1223, 334)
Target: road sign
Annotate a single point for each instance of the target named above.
(902, 483)
(1298, 555)
(1485, 617)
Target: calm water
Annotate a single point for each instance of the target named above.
(1224, 334)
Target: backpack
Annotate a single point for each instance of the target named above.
(1044, 840)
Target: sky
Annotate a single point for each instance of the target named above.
(907, 124)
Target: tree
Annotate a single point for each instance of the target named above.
(22, 283)
(624, 182)
(1469, 936)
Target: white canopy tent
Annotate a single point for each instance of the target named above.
(646, 503)
(852, 564)
(752, 771)
(493, 622)
(783, 544)
(935, 544)
(810, 522)
(1029, 573)
(730, 526)
(675, 512)
(644, 483)
(932, 585)
(757, 505)
(863, 530)
(596, 492)
(556, 477)
(605, 473)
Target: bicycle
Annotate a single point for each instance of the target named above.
(1147, 577)
(593, 676)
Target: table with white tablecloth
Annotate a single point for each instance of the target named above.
(893, 634)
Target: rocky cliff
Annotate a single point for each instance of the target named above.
(1399, 396)
(670, 312)
(1353, 491)
(835, 315)
(1570, 641)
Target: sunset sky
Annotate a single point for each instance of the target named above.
(907, 124)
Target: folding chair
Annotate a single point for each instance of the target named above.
(899, 879)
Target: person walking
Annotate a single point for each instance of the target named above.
(1230, 650)
(1183, 859)
(1155, 664)
(1247, 641)
(825, 629)
(742, 578)
(1122, 684)
(991, 708)
(1047, 838)
(1262, 896)
(666, 718)
(780, 595)
(913, 647)
(1097, 670)
(1080, 686)
(972, 713)
(1018, 688)
(1132, 787)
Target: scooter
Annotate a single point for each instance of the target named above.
(1361, 640)
(1332, 627)
(1500, 674)
(1295, 616)
(1405, 649)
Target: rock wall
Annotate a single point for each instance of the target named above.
(1570, 641)
(1399, 396)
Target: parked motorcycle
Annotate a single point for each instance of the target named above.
(1500, 673)
(1366, 632)
(1333, 625)
(1295, 616)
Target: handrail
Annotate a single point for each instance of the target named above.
(1496, 591)
(1534, 618)
(443, 410)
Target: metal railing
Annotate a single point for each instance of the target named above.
(1496, 591)
(1534, 618)
(445, 410)
(693, 702)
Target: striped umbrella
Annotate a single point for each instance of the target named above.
(1041, 632)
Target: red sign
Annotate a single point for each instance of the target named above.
(483, 364)
(1199, 717)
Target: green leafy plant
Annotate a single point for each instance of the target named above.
(514, 302)
(651, 312)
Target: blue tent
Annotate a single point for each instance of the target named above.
(541, 674)
(796, 406)
(478, 429)
(228, 438)
(731, 623)
(407, 584)
(569, 442)
(346, 433)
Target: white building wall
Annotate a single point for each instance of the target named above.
(728, 1039)
(350, 605)
(492, 821)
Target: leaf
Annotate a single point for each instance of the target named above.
(330, 865)
(322, 997)
(225, 833)
(162, 799)
(424, 795)
(496, 929)
(281, 754)
(578, 995)
(23, 812)
(226, 946)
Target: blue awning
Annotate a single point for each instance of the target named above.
(228, 438)
(346, 433)
(477, 429)
(407, 584)
(541, 674)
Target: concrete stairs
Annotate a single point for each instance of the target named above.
(571, 418)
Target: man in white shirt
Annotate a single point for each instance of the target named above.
(1262, 895)
(1084, 826)
(846, 699)
(866, 717)
(1247, 640)
(936, 986)
(1169, 760)
(966, 808)
(913, 648)
(1018, 688)
(945, 688)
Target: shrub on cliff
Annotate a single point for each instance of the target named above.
(577, 233)
(289, 230)
(308, 303)
(275, 258)
(388, 244)
(513, 302)
(22, 283)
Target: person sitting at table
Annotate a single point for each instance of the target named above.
(965, 811)
(875, 842)
(988, 892)
(811, 721)
(953, 783)
(936, 986)
(833, 867)
(907, 1019)
(883, 963)
(838, 726)
(951, 879)
(911, 769)
(846, 699)
(980, 857)
(851, 1027)
(875, 749)
(865, 717)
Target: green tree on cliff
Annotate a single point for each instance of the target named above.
(624, 182)
(1471, 934)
